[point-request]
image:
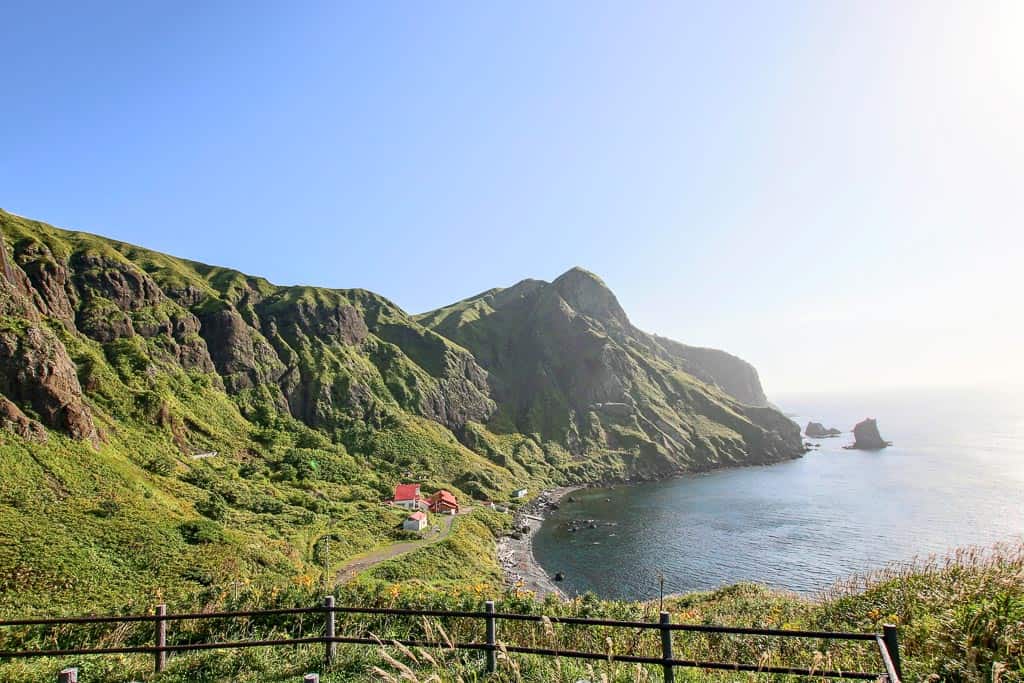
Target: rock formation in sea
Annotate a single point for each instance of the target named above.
(816, 430)
(866, 436)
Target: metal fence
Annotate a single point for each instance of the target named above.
(887, 642)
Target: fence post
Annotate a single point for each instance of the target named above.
(160, 656)
(891, 636)
(69, 675)
(666, 647)
(330, 647)
(311, 678)
(492, 641)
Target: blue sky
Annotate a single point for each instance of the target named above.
(830, 190)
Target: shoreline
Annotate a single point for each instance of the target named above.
(515, 555)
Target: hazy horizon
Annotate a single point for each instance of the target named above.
(830, 191)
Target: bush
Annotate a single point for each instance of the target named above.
(159, 464)
(214, 507)
(267, 504)
(107, 508)
(200, 477)
(201, 531)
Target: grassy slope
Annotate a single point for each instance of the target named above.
(961, 619)
(84, 530)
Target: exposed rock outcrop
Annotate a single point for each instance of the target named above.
(733, 375)
(12, 419)
(327, 357)
(866, 436)
(35, 371)
(565, 362)
(816, 430)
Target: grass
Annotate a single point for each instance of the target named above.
(368, 400)
(960, 618)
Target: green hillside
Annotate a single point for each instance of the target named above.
(173, 428)
(564, 362)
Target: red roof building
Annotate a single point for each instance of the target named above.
(444, 502)
(408, 496)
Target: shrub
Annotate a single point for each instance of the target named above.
(200, 477)
(201, 531)
(214, 507)
(160, 464)
(107, 508)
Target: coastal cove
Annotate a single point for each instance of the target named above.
(954, 476)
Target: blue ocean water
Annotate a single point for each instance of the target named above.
(954, 476)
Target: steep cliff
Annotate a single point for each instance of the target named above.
(325, 356)
(565, 363)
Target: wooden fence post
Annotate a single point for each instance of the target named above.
(891, 636)
(330, 647)
(69, 675)
(160, 656)
(666, 647)
(492, 639)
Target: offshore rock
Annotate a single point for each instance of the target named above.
(866, 436)
(816, 430)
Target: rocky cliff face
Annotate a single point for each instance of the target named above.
(732, 375)
(327, 357)
(565, 362)
(560, 360)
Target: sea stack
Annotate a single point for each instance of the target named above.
(816, 430)
(866, 436)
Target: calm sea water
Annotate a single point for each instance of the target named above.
(954, 476)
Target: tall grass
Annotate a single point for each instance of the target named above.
(961, 618)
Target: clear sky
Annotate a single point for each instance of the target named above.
(832, 190)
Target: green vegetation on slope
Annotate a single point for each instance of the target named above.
(565, 363)
(961, 619)
(177, 430)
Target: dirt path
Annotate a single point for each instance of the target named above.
(360, 564)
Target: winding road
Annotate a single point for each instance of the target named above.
(357, 565)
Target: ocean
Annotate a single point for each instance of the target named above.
(954, 476)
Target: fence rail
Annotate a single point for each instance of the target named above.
(887, 642)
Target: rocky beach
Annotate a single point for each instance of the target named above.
(515, 551)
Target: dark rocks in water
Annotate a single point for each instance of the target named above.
(866, 436)
(572, 499)
(816, 430)
(559, 576)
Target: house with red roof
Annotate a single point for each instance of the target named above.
(444, 503)
(416, 521)
(408, 496)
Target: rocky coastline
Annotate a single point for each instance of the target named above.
(515, 551)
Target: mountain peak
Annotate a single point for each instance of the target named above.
(588, 294)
